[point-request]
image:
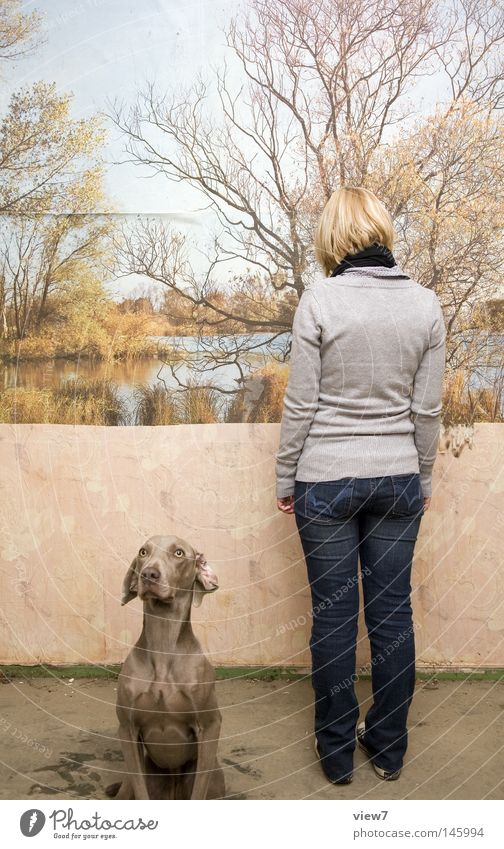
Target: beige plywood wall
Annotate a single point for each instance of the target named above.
(78, 502)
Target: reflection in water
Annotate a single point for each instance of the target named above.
(143, 372)
(151, 371)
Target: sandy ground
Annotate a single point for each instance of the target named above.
(266, 748)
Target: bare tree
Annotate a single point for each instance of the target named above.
(328, 98)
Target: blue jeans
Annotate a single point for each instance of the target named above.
(374, 520)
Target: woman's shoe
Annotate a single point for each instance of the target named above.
(381, 773)
(347, 780)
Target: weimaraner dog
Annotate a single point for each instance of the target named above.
(169, 720)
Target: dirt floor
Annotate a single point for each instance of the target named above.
(266, 748)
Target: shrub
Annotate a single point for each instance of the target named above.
(465, 405)
(76, 401)
(155, 406)
(261, 400)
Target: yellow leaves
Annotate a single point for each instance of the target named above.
(47, 153)
(17, 28)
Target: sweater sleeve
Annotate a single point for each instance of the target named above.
(427, 397)
(302, 392)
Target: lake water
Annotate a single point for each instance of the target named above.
(151, 371)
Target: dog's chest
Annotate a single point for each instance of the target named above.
(164, 696)
(165, 714)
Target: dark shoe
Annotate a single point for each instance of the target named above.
(347, 780)
(381, 773)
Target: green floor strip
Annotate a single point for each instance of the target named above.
(273, 673)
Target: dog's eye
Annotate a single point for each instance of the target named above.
(142, 552)
(179, 552)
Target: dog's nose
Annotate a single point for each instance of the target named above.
(151, 574)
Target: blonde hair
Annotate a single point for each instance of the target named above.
(352, 219)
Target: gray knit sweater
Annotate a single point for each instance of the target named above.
(365, 382)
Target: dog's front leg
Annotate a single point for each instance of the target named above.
(208, 740)
(133, 757)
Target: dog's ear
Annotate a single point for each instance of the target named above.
(130, 583)
(206, 580)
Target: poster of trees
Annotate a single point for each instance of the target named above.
(156, 227)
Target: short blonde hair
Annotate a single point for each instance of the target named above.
(352, 219)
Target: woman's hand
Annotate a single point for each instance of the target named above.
(286, 505)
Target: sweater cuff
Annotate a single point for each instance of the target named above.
(284, 489)
(426, 483)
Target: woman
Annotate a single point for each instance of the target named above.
(358, 440)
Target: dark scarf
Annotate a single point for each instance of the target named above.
(374, 254)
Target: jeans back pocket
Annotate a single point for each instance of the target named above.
(324, 502)
(408, 496)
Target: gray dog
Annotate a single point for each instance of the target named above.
(169, 720)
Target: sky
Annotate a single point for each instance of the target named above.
(99, 50)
